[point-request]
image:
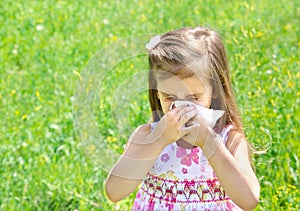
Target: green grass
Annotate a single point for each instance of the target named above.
(43, 165)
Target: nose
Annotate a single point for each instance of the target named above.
(172, 106)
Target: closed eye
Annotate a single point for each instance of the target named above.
(169, 98)
(194, 98)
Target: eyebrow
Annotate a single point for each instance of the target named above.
(196, 94)
(164, 93)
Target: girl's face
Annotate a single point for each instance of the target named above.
(194, 89)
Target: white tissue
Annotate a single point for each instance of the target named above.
(210, 115)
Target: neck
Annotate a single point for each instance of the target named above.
(182, 143)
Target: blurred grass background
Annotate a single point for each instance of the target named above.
(45, 44)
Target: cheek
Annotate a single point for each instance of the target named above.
(165, 104)
(205, 102)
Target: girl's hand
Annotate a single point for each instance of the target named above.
(201, 132)
(172, 125)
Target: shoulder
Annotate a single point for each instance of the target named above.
(236, 135)
(239, 147)
(145, 128)
(142, 131)
(235, 141)
(139, 134)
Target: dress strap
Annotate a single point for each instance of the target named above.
(225, 132)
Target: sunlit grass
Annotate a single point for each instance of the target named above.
(45, 45)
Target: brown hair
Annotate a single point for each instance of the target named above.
(195, 51)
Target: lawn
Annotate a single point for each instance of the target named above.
(62, 109)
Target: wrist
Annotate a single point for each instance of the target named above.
(157, 142)
(211, 145)
(162, 142)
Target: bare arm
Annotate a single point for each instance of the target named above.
(133, 165)
(235, 173)
(143, 148)
(231, 164)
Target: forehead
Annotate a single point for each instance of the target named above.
(190, 85)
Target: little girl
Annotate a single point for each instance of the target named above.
(182, 161)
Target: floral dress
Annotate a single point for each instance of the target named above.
(182, 179)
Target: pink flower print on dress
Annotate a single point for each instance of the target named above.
(180, 152)
(186, 159)
(164, 157)
(184, 170)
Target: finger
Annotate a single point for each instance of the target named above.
(182, 109)
(181, 112)
(188, 115)
(190, 129)
(191, 122)
(176, 111)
